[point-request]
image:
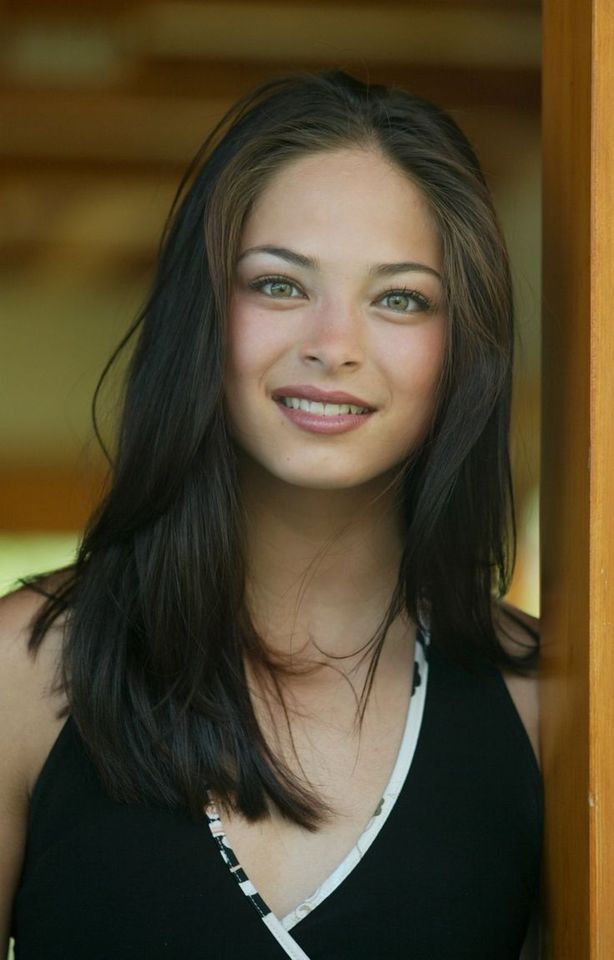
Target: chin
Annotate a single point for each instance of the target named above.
(327, 477)
(309, 471)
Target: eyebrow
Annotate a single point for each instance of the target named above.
(311, 263)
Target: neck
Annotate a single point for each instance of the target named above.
(321, 565)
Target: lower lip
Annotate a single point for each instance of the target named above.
(316, 423)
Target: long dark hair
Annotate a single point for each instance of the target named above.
(157, 633)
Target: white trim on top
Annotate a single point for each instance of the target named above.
(394, 786)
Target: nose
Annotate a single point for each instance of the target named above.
(334, 339)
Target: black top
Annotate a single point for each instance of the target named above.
(452, 874)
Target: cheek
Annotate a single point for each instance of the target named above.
(415, 362)
(240, 344)
(253, 343)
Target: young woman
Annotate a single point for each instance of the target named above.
(277, 708)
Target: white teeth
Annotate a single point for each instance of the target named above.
(322, 409)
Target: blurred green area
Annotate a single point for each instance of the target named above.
(24, 554)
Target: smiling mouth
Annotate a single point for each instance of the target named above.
(318, 408)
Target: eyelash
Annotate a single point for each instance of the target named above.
(424, 302)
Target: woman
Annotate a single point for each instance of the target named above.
(281, 646)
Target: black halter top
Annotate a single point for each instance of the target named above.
(452, 874)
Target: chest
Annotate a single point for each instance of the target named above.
(347, 769)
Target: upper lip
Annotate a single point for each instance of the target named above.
(307, 392)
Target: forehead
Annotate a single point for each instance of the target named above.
(351, 198)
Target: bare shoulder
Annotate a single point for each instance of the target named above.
(518, 633)
(28, 704)
(28, 726)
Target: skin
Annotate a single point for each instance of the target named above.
(331, 325)
(320, 504)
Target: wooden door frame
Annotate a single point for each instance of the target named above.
(577, 513)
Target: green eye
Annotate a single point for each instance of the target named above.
(406, 301)
(277, 287)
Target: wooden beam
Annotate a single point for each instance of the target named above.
(601, 799)
(578, 478)
(447, 84)
(17, 10)
(157, 130)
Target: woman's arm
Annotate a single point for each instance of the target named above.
(26, 722)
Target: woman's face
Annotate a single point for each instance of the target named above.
(337, 304)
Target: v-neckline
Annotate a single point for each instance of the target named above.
(280, 927)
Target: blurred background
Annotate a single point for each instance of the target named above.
(102, 106)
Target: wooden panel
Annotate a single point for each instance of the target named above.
(565, 473)
(104, 44)
(602, 487)
(46, 498)
(578, 454)
(448, 84)
(16, 9)
(160, 119)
